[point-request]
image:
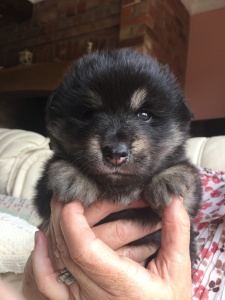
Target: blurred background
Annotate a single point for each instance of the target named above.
(40, 38)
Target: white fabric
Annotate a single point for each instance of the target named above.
(16, 243)
(16, 237)
(22, 154)
(19, 207)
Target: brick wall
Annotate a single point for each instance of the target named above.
(158, 27)
(62, 29)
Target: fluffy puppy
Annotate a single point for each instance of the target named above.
(118, 124)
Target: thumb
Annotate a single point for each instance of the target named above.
(174, 255)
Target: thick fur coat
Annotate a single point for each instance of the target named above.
(118, 124)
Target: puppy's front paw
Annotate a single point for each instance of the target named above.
(67, 183)
(178, 180)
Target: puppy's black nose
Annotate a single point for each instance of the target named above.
(116, 154)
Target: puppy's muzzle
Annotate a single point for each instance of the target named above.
(116, 154)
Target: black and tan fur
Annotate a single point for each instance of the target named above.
(118, 124)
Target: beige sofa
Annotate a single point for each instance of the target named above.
(23, 153)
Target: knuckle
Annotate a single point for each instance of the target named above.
(131, 254)
(121, 232)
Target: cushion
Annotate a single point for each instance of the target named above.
(22, 154)
(207, 152)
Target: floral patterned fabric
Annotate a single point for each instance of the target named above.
(208, 271)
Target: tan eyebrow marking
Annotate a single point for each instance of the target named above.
(94, 99)
(137, 98)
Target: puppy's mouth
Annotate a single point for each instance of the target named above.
(118, 175)
(117, 178)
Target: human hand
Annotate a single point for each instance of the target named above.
(102, 273)
(7, 293)
(114, 234)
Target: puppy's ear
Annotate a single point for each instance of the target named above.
(192, 115)
(186, 112)
(53, 108)
(51, 98)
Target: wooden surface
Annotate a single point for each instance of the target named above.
(36, 79)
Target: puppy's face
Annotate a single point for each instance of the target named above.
(119, 117)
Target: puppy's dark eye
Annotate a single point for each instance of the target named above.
(87, 114)
(144, 116)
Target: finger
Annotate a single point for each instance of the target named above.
(114, 234)
(174, 254)
(101, 266)
(176, 229)
(61, 250)
(56, 233)
(85, 248)
(54, 249)
(101, 209)
(119, 233)
(80, 277)
(138, 254)
(44, 272)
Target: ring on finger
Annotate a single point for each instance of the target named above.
(65, 277)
